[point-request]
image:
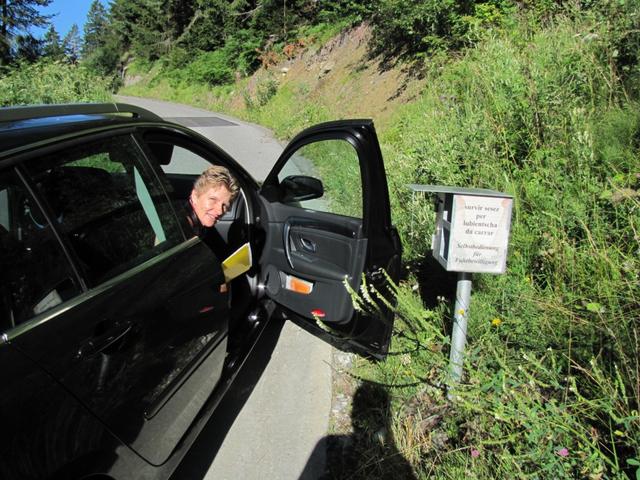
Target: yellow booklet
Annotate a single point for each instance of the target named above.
(237, 263)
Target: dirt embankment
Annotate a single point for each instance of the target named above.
(343, 76)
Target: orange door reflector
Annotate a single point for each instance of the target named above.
(298, 285)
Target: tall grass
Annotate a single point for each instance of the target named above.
(552, 375)
(52, 82)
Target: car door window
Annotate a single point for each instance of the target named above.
(35, 273)
(335, 163)
(182, 164)
(176, 159)
(109, 203)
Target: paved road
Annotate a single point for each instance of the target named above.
(278, 410)
(251, 145)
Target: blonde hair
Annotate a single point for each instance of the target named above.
(216, 176)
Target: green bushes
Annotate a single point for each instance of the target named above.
(210, 67)
(216, 67)
(52, 82)
(415, 27)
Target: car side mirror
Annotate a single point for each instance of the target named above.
(296, 188)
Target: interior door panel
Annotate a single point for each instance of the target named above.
(320, 251)
(323, 252)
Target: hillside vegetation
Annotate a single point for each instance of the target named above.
(536, 99)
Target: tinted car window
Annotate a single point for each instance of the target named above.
(34, 271)
(109, 204)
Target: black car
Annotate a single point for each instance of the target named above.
(117, 342)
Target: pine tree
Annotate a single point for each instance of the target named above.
(16, 16)
(141, 26)
(72, 44)
(180, 13)
(27, 48)
(95, 28)
(102, 47)
(52, 45)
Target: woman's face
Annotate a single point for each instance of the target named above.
(210, 204)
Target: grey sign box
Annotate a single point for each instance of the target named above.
(472, 228)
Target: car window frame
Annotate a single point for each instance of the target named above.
(78, 143)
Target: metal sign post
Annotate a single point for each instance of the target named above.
(459, 330)
(472, 236)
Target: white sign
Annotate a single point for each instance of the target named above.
(479, 234)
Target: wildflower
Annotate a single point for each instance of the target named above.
(496, 322)
(475, 453)
(563, 452)
(461, 311)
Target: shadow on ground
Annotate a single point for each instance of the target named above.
(370, 451)
(434, 281)
(435, 286)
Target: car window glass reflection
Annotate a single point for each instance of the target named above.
(109, 204)
(335, 163)
(35, 274)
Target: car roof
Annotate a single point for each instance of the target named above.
(23, 126)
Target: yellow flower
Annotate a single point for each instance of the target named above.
(461, 311)
(496, 322)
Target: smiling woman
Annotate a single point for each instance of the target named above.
(212, 195)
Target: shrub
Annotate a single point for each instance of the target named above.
(52, 82)
(214, 68)
(415, 27)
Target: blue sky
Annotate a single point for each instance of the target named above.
(68, 12)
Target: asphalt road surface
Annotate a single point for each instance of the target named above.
(272, 419)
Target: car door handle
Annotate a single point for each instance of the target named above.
(102, 342)
(308, 245)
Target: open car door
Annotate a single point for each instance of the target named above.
(328, 227)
